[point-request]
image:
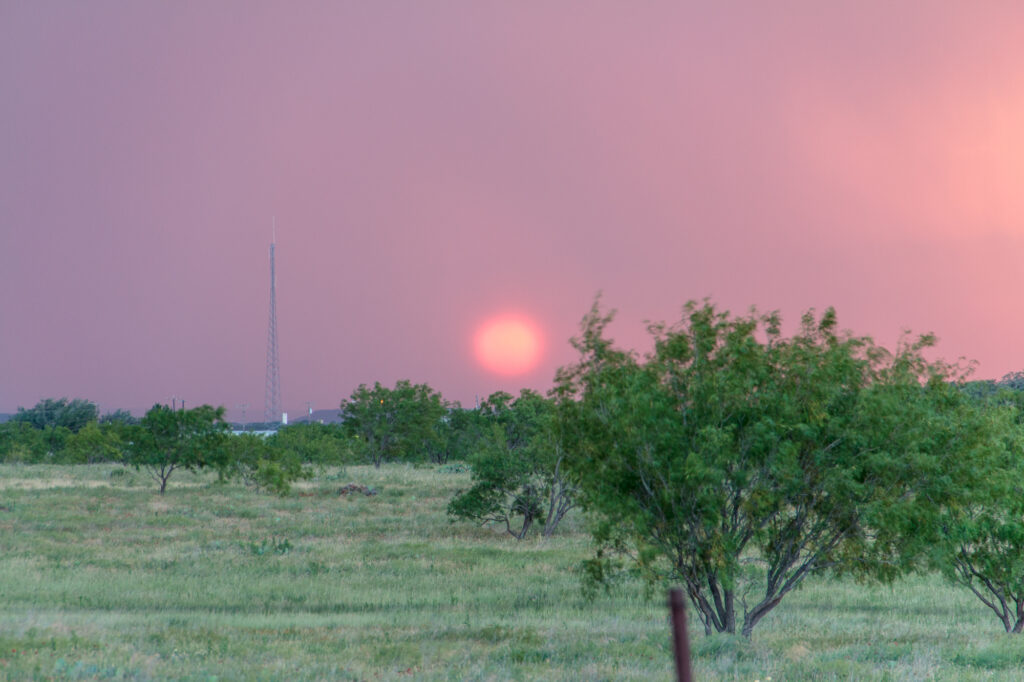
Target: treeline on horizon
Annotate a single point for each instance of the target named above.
(730, 459)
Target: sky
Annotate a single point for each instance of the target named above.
(432, 165)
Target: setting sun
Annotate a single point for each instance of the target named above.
(507, 345)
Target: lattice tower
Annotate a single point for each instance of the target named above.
(272, 397)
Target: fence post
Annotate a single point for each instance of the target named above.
(680, 644)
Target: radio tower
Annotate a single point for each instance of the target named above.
(272, 397)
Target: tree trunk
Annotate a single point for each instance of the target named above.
(521, 533)
(755, 615)
(527, 505)
(718, 616)
(559, 500)
(559, 505)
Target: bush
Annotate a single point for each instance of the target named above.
(394, 424)
(518, 477)
(93, 444)
(313, 443)
(261, 466)
(21, 443)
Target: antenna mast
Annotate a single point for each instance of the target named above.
(272, 398)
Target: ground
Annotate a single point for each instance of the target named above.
(102, 578)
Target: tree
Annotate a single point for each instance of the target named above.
(167, 439)
(393, 424)
(518, 477)
(312, 443)
(729, 442)
(21, 442)
(1013, 381)
(95, 443)
(122, 417)
(260, 465)
(57, 419)
(50, 414)
(982, 543)
(986, 389)
(455, 435)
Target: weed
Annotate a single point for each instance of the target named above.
(271, 545)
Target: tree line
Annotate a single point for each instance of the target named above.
(409, 423)
(732, 459)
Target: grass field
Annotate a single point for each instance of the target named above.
(101, 578)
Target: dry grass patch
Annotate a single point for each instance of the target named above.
(49, 483)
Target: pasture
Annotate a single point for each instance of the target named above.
(101, 578)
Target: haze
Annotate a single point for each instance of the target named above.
(431, 165)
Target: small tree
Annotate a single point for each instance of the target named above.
(95, 443)
(503, 489)
(518, 477)
(393, 424)
(51, 413)
(167, 439)
(312, 443)
(21, 442)
(262, 466)
(57, 419)
(455, 435)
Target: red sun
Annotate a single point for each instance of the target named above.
(508, 345)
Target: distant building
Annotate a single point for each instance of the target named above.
(321, 417)
(270, 428)
(266, 433)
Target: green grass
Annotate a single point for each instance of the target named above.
(101, 578)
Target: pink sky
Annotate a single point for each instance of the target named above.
(432, 164)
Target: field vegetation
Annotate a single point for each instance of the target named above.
(103, 578)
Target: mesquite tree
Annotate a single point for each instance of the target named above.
(739, 462)
(981, 544)
(393, 424)
(518, 473)
(167, 439)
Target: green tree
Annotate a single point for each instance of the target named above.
(455, 435)
(57, 419)
(21, 442)
(393, 424)
(981, 544)
(312, 443)
(260, 465)
(51, 413)
(987, 389)
(123, 417)
(1014, 381)
(167, 440)
(94, 443)
(517, 464)
(730, 443)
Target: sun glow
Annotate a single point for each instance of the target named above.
(508, 345)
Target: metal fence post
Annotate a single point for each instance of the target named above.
(680, 643)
